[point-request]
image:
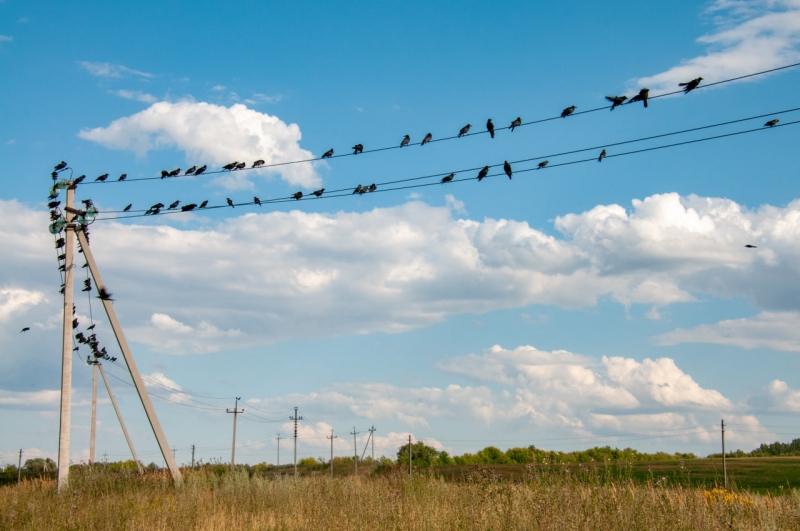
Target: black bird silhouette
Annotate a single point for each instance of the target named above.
(448, 178)
(483, 173)
(569, 110)
(191, 170)
(75, 323)
(174, 205)
(204, 203)
(200, 170)
(750, 246)
(102, 178)
(189, 207)
(27, 327)
(358, 148)
(542, 164)
(427, 139)
(240, 166)
(230, 203)
(112, 360)
(372, 187)
(772, 123)
(127, 208)
(643, 95)
(154, 211)
(157, 205)
(357, 190)
(84, 266)
(60, 243)
(616, 101)
(75, 349)
(298, 195)
(53, 204)
(90, 327)
(507, 168)
(104, 295)
(328, 154)
(230, 166)
(62, 267)
(602, 156)
(691, 85)
(490, 127)
(319, 192)
(123, 177)
(62, 257)
(258, 163)
(164, 173)
(256, 200)
(516, 123)
(464, 130)
(54, 215)
(60, 166)
(79, 180)
(87, 202)
(406, 140)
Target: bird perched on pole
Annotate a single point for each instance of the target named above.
(483, 173)
(691, 85)
(200, 170)
(448, 178)
(602, 156)
(569, 110)
(328, 154)
(490, 127)
(542, 164)
(256, 200)
(358, 148)
(643, 96)
(516, 123)
(427, 139)
(102, 178)
(507, 169)
(405, 141)
(772, 123)
(258, 163)
(616, 101)
(464, 130)
(230, 203)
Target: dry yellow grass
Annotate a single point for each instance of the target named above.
(102, 501)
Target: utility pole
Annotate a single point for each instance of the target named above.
(724, 464)
(19, 466)
(94, 413)
(119, 417)
(233, 446)
(355, 449)
(366, 444)
(66, 352)
(409, 456)
(192, 456)
(332, 437)
(174, 455)
(295, 419)
(279, 449)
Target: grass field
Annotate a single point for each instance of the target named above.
(582, 498)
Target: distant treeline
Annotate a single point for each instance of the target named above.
(775, 449)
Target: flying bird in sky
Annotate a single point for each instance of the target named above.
(328, 154)
(298, 195)
(174, 205)
(772, 123)
(643, 96)
(448, 178)
(256, 200)
(750, 246)
(616, 101)
(490, 127)
(191, 170)
(231, 166)
(200, 170)
(104, 295)
(406, 140)
(464, 130)
(127, 207)
(60, 166)
(258, 163)
(602, 156)
(507, 168)
(516, 123)
(542, 164)
(358, 148)
(569, 110)
(123, 177)
(230, 203)
(204, 203)
(102, 178)
(319, 192)
(27, 327)
(691, 85)
(483, 173)
(427, 139)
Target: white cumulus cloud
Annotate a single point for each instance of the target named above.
(772, 330)
(137, 95)
(16, 301)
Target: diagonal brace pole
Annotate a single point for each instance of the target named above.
(126, 352)
(119, 416)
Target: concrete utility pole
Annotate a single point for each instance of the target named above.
(295, 419)
(409, 456)
(174, 453)
(366, 444)
(126, 353)
(192, 456)
(355, 448)
(19, 466)
(235, 412)
(724, 464)
(94, 414)
(66, 346)
(279, 449)
(119, 417)
(332, 437)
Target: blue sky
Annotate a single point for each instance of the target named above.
(590, 304)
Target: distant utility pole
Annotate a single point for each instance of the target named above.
(409, 455)
(235, 412)
(332, 437)
(355, 448)
(192, 456)
(279, 448)
(105, 458)
(366, 444)
(19, 466)
(295, 419)
(724, 464)
(174, 454)
(94, 414)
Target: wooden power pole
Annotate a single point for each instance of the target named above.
(332, 437)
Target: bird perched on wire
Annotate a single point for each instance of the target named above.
(357, 190)
(189, 207)
(60, 166)
(750, 246)
(319, 192)
(164, 173)
(542, 164)
(358, 148)
(602, 156)
(258, 163)
(772, 123)
(231, 166)
(516, 123)
(691, 85)
(427, 139)
(200, 170)
(240, 166)
(490, 127)
(256, 200)
(643, 96)
(174, 205)
(157, 205)
(298, 195)
(448, 178)
(507, 169)
(230, 203)
(569, 110)
(102, 178)
(328, 154)
(79, 180)
(190, 171)
(203, 204)
(405, 141)
(464, 130)
(372, 187)
(104, 295)
(123, 177)
(616, 101)
(174, 173)
(127, 207)
(483, 173)
(53, 204)
(27, 327)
